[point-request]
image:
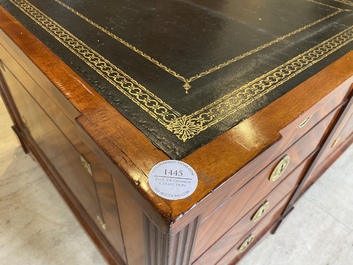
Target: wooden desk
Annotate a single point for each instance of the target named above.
(259, 114)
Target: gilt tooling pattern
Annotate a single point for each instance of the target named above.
(185, 72)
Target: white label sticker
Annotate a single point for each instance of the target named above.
(173, 179)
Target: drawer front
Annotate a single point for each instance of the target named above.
(253, 217)
(271, 155)
(106, 193)
(347, 130)
(80, 169)
(248, 241)
(297, 153)
(344, 130)
(41, 97)
(247, 197)
(33, 79)
(55, 146)
(310, 118)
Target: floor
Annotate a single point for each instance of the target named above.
(36, 227)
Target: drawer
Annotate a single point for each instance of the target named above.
(57, 137)
(56, 147)
(241, 228)
(310, 118)
(253, 192)
(297, 153)
(47, 103)
(106, 193)
(33, 80)
(272, 155)
(346, 132)
(253, 236)
(341, 132)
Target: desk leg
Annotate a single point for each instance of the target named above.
(165, 249)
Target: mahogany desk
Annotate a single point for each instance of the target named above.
(254, 96)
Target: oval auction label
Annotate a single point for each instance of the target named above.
(173, 179)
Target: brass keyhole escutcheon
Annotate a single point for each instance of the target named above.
(280, 168)
(101, 223)
(260, 212)
(246, 243)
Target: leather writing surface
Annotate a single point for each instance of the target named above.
(184, 72)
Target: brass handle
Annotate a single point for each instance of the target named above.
(280, 168)
(260, 212)
(335, 142)
(247, 242)
(86, 165)
(2, 65)
(304, 122)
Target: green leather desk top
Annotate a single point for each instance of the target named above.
(184, 72)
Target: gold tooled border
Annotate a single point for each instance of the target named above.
(346, 2)
(137, 93)
(188, 80)
(238, 99)
(185, 126)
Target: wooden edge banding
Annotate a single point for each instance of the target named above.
(215, 162)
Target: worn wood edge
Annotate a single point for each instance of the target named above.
(78, 120)
(76, 90)
(119, 142)
(30, 147)
(337, 74)
(153, 213)
(136, 166)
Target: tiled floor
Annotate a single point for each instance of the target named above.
(36, 228)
